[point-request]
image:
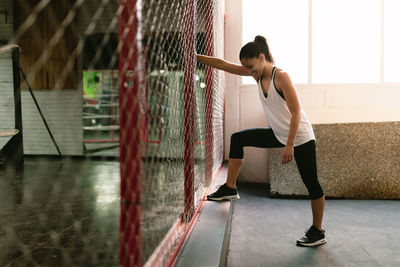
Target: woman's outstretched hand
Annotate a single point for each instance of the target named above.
(224, 65)
(287, 154)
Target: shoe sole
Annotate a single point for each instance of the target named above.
(233, 197)
(316, 243)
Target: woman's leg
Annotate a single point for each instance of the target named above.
(306, 162)
(233, 171)
(256, 137)
(307, 165)
(317, 207)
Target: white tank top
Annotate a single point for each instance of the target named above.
(278, 116)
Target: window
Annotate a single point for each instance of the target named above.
(329, 41)
(346, 41)
(286, 30)
(392, 41)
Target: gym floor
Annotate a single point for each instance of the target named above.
(60, 213)
(66, 212)
(359, 232)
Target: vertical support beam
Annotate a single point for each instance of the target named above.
(131, 92)
(209, 50)
(19, 149)
(189, 100)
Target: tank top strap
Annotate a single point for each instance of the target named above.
(273, 74)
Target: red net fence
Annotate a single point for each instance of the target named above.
(171, 122)
(113, 78)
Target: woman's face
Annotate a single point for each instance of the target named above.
(255, 65)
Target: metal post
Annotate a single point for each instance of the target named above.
(209, 47)
(131, 89)
(189, 100)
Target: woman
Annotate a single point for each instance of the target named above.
(289, 128)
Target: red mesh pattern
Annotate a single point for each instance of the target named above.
(189, 105)
(209, 45)
(183, 144)
(120, 79)
(131, 90)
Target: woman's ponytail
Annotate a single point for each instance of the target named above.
(263, 45)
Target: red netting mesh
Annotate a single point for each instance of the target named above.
(112, 79)
(183, 114)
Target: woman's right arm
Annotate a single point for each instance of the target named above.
(224, 65)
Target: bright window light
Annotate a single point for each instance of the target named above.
(392, 41)
(285, 25)
(346, 41)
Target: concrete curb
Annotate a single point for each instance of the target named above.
(209, 240)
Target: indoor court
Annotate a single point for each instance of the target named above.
(123, 124)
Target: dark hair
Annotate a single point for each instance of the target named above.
(255, 48)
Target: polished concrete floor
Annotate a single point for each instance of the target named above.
(60, 213)
(102, 149)
(359, 232)
(66, 213)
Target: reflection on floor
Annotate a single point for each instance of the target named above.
(60, 213)
(66, 213)
(102, 149)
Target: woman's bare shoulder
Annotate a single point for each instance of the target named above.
(282, 79)
(281, 74)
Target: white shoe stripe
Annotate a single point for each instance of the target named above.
(232, 197)
(316, 243)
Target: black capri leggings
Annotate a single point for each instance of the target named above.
(265, 138)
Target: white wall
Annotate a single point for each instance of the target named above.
(242, 107)
(331, 103)
(350, 103)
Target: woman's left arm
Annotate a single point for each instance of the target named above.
(285, 84)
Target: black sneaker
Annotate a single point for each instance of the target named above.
(224, 193)
(313, 237)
